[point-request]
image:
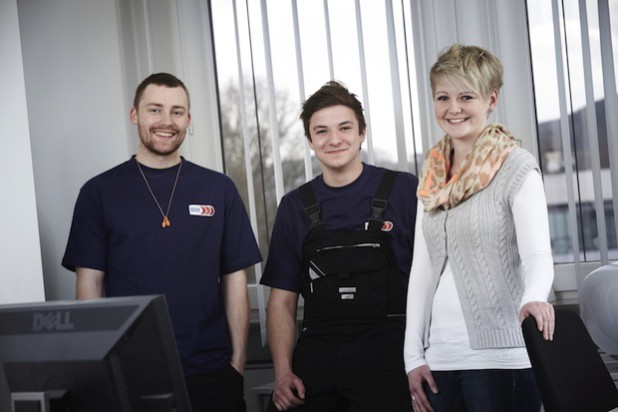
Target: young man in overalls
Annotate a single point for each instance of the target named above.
(344, 241)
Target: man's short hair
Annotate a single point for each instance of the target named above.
(159, 79)
(331, 94)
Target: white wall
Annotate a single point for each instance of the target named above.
(82, 61)
(77, 111)
(21, 275)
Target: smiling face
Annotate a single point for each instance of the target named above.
(460, 111)
(162, 119)
(336, 141)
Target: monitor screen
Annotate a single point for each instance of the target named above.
(112, 354)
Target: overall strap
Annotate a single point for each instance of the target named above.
(378, 204)
(312, 210)
(380, 201)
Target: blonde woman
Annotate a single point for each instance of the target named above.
(482, 256)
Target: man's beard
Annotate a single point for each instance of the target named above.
(151, 143)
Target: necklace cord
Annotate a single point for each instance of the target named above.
(166, 222)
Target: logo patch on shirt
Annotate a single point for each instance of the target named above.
(387, 226)
(202, 210)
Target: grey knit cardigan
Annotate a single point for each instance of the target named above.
(478, 237)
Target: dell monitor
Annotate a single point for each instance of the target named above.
(111, 354)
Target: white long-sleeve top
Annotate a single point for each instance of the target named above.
(449, 347)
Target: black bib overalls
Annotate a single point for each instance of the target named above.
(350, 352)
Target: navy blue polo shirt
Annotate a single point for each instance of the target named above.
(117, 229)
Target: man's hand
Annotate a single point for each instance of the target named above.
(416, 377)
(288, 392)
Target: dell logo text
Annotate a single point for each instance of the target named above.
(52, 321)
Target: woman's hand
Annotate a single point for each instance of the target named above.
(543, 313)
(416, 377)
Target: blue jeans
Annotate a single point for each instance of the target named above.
(485, 390)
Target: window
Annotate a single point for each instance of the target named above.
(575, 90)
(271, 55)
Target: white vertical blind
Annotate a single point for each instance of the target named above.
(566, 139)
(274, 131)
(390, 124)
(396, 88)
(611, 98)
(248, 172)
(363, 69)
(592, 133)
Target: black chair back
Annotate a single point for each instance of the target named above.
(569, 369)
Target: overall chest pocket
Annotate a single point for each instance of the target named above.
(347, 281)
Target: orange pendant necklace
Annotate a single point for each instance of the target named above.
(166, 221)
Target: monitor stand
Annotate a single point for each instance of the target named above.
(47, 401)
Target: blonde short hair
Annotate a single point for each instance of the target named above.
(471, 66)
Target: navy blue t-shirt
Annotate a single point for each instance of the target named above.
(117, 229)
(343, 209)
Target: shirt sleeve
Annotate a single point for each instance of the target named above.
(284, 265)
(421, 288)
(532, 230)
(87, 243)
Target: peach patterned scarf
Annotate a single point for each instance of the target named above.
(480, 166)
